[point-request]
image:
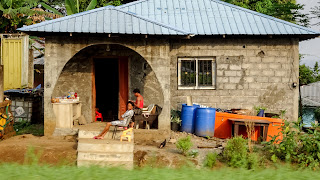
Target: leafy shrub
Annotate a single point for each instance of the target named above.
(25, 127)
(252, 161)
(184, 144)
(193, 153)
(296, 146)
(175, 116)
(235, 152)
(210, 160)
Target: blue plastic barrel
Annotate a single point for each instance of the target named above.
(188, 116)
(205, 120)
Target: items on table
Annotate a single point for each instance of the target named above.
(70, 98)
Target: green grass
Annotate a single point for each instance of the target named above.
(26, 172)
(27, 128)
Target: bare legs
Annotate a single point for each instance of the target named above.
(131, 125)
(104, 132)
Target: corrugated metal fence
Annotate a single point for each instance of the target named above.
(14, 58)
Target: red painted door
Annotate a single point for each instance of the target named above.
(123, 85)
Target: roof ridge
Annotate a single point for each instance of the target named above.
(265, 16)
(67, 17)
(154, 21)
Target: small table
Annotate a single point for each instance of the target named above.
(262, 123)
(65, 113)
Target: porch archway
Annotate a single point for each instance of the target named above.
(78, 74)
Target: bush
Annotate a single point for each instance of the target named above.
(210, 160)
(184, 144)
(193, 153)
(235, 152)
(25, 127)
(252, 161)
(296, 146)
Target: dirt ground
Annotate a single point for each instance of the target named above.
(49, 150)
(147, 152)
(63, 150)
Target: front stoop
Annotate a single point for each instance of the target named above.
(104, 152)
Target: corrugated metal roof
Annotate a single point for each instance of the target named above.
(106, 20)
(213, 17)
(172, 17)
(310, 94)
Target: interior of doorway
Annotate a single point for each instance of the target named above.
(107, 87)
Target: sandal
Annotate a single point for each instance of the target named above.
(97, 137)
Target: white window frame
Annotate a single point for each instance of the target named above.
(197, 59)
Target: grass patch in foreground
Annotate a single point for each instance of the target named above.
(24, 172)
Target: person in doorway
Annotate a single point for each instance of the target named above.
(139, 100)
(122, 122)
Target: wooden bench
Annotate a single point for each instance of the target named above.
(264, 124)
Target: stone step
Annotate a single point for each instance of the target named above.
(122, 164)
(115, 156)
(104, 145)
(91, 133)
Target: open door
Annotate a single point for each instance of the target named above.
(110, 87)
(123, 85)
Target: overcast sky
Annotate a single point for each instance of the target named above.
(310, 49)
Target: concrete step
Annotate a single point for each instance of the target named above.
(104, 145)
(91, 133)
(123, 164)
(116, 156)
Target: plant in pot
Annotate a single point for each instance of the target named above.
(175, 120)
(260, 110)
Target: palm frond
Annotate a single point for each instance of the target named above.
(92, 5)
(50, 8)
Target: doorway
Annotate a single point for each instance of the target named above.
(107, 87)
(111, 86)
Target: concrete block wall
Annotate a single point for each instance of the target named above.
(250, 72)
(63, 51)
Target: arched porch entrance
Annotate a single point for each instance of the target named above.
(104, 76)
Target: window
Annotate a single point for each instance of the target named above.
(196, 73)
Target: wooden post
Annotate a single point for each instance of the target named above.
(1, 84)
(189, 101)
(30, 69)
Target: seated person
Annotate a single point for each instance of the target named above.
(98, 115)
(125, 117)
(139, 100)
(138, 103)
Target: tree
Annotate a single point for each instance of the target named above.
(316, 13)
(16, 13)
(286, 10)
(76, 6)
(308, 75)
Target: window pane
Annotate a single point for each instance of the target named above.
(188, 73)
(205, 72)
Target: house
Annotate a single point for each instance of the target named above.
(310, 100)
(222, 55)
